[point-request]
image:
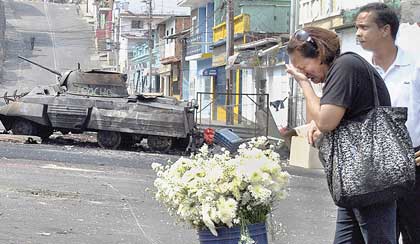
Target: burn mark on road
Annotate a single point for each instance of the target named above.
(49, 193)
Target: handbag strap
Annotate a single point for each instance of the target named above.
(372, 76)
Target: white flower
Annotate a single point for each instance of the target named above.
(204, 150)
(207, 220)
(209, 190)
(226, 210)
(156, 166)
(215, 173)
(260, 193)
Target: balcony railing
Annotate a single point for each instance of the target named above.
(142, 51)
(196, 44)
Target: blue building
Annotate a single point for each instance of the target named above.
(199, 50)
(140, 68)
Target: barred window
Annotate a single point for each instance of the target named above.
(137, 24)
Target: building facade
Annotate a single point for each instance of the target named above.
(199, 52)
(174, 70)
(254, 22)
(139, 80)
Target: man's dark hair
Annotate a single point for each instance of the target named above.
(385, 15)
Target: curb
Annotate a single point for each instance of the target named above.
(304, 172)
(20, 139)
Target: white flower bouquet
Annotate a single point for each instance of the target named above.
(211, 190)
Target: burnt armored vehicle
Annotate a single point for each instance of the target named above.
(98, 101)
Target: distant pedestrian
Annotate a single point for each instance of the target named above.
(32, 42)
(377, 27)
(78, 8)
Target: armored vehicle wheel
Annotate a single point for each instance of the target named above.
(45, 132)
(159, 143)
(181, 143)
(127, 140)
(24, 127)
(109, 139)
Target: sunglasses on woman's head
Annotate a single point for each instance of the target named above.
(303, 36)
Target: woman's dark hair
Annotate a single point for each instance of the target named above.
(319, 43)
(385, 15)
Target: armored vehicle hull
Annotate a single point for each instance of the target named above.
(98, 101)
(117, 121)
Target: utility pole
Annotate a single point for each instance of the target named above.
(150, 39)
(117, 43)
(183, 66)
(292, 108)
(229, 52)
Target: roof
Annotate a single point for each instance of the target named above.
(258, 44)
(169, 60)
(129, 14)
(131, 36)
(179, 34)
(173, 16)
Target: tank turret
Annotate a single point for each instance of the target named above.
(90, 83)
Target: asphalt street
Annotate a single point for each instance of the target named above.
(62, 40)
(74, 194)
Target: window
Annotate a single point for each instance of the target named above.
(102, 20)
(137, 24)
(194, 25)
(310, 10)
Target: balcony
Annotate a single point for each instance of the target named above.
(194, 45)
(141, 52)
(197, 44)
(241, 22)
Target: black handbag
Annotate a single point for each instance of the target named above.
(369, 161)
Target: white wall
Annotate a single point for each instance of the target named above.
(193, 79)
(347, 4)
(122, 54)
(203, 84)
(125, 26)
(311, 10)
(408, 38)
(89, 7)
(165, 84)
(248, 86)
(169, 43)
(278, 89)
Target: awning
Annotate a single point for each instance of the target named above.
(165, 69)
(169, 60)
